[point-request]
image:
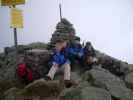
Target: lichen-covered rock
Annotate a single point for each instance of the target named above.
(76, 76)
(37, 61)
(129, 80)
(116, 87)
(113, 65)
(42, 88)
(11, 94)
(38, 90)
(87, 93)
(70, 94)
(8, 77)
(93, 93)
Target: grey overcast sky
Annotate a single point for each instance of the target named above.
(108, 24)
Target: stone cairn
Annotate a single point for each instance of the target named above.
(64, 30)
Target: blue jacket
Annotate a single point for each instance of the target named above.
(62, 57)
(75, 50)
(59, 58)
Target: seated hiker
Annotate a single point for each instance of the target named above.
(75, 51)
(59, 60)
(89, 54)
(23, 71)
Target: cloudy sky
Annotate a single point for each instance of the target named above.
(108, 24)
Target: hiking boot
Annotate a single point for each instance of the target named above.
(70, 83)
(47, 78)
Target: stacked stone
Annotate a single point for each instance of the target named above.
(37, 60)
(64, 30)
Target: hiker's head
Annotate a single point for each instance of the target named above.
(64, 44)
(77, 40)
(60, 44)
(21, 59)
(89, 60)
(72, 33)
(88, 43)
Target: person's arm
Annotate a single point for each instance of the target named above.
(81, 52)
(55, 58)
(93, 51)
(72, 51)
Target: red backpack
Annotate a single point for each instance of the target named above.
(24, 72)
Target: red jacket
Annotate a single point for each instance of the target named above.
(24, 71)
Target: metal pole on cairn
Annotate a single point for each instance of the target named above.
(60, 11)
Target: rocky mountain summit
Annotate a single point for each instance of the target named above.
(109, 79)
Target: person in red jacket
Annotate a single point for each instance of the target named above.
(23, 71)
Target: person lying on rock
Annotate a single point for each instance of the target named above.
(59, 60)
(89, 55)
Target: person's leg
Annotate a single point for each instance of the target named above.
(95, 60)
(67, 71)
(53, 70)
(67, 76)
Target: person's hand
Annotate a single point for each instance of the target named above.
(95, 60)
(80, 54)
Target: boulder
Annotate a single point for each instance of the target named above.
(38, 90)
(75, 76)
(129, 80)
(130, 68)
(87, 93)
(102, 78)
(41, 56)
(115, 66)
(42, 88)
(11, 94)
(8, 76)
(93, 93)
(70, 94)
(37, 60)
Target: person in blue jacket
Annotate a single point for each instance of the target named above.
(75, 51)
(60, 61)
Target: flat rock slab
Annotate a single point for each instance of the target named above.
(88, 93)
(92, 93)
(129, 80)
(116, 87)
(42, 88)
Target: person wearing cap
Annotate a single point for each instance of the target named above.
(90, 55)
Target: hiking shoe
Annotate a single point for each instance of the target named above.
(47, 78)
(70, 83)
